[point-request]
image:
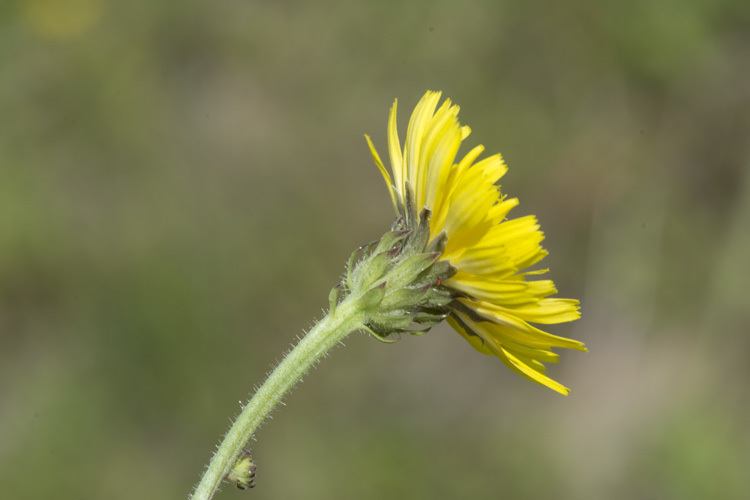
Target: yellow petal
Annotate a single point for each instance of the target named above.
(503, 324)
(446, 188)
(509, 292)
(415, 132)
(383, 172)
(394, 149)
(517, 359)
(515, 363)
(475, 341)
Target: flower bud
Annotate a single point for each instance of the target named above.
(243, 472)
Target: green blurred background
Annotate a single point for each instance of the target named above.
(182, 182)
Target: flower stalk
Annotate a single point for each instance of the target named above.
(329, 331)
(389, 285)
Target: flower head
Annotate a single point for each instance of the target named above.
(464, 214)
(451, 254)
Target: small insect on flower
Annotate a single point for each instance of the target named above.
(243, 472)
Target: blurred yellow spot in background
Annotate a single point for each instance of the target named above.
(56, 20)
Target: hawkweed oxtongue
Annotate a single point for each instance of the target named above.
(452, 254)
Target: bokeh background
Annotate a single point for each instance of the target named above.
(182, 182)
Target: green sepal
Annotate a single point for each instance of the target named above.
(406, 297)
(356, 261)
(441, 270)
(377, 336)
(390, 239)
(418, 241)
(351, 266)
(427, 318)
(374, 295)
(437, 244)
(418, 332)
(374, 267)
(398, 224)
(439, 297)
(333, 297)
(392, 320)
(411, 209)
(410, 268)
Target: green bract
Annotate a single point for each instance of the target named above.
(400, 280)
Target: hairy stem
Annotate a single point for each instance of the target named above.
(337, 324)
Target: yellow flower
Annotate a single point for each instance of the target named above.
(496, 303)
